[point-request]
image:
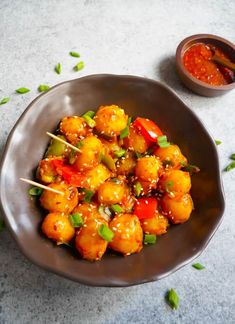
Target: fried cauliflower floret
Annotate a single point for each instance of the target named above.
(177, 209)
(155, 225)
(147, 169)
(96, 176)
(57, 227)
(175, 182)
(73, 127)
(111, 192)
(55, 202)
(88, 242)
(128, 234)
(110, 120)
(135, 141)
(171, 156)
(90, 154)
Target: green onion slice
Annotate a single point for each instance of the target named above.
(79, 66)
(76, 220)
(217, 142)
(88, 195)
(43, 87)
(22, 90)
(125, 132)
(173, 298)
(150, 239)
(162, 141)
(105, 232)
(129, 121)
(230, 166)
(198, 266)
(58, 68)
(35, 191)
(116, 180)
(117, 208)
(90, 113)
(4, 100)
(74, 54)
(88, 119)
(137, 188)
(120, 153)
(232, 157)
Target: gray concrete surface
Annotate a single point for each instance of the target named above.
(122, 37)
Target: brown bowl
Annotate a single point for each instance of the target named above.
(139, 97)
(188, 79)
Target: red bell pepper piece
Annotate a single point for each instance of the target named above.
(148, 129)
(145, 207)
(69, 174)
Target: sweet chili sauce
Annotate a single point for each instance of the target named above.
(197, 60)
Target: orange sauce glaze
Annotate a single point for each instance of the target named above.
(197, 60)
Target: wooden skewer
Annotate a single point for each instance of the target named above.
(64, 142)
(39, 185)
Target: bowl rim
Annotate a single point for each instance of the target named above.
(180, 65)
(42, 264)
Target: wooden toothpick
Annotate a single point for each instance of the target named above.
(39, 185)
(64, 142)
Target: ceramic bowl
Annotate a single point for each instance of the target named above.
(139, 97)
(188, 79)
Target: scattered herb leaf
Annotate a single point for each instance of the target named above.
(22, 90)
(4, 100)
(74, 54)
(172, 298)
(58, 68)
(43, 87)
(232, 157)
(198, 266)
(230, 166)
(35, 191)
(79, 66)
(217, 142)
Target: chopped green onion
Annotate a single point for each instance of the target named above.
(88, 195)
(198, 266)
(162, 141)
(120, 153)
(138, 155)
(76, 220)
(105, 232)
(89, 113)
(35, 191)
(4, 100)
(116, 180)
(90, 122)
(150, 239)
(168, 186)
(117, 208)
(129, 121)
(232, 157)
(137, 188)
(104, 211)
(79, 66)
(217, 142)
(79, 144)
(230, 166)
(22, 90)
(109, 162)
(43, 87)
(190, 168)
(173, 298)
(58, 68)
(74, 54)
(73, 153)
(124, 133)
(2, 224)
